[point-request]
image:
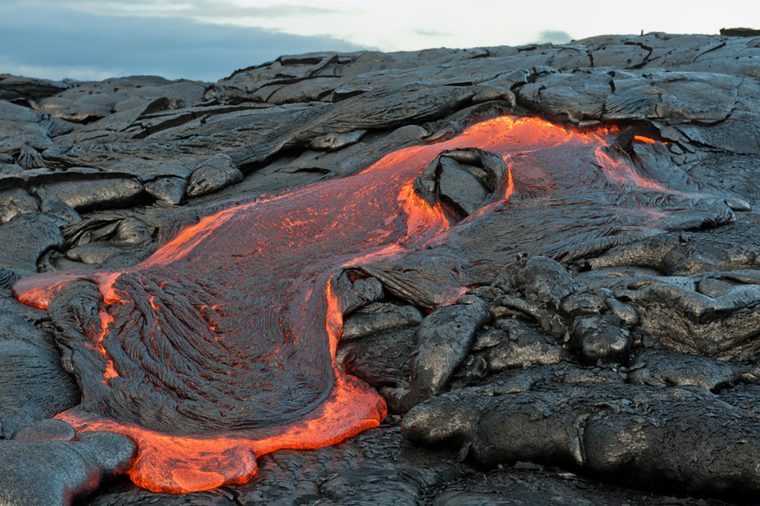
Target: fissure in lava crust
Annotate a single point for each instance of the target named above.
(221, 346)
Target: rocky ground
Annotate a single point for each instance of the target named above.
(593, 361)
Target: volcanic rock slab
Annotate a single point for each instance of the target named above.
(620, 431)
(53, 472)
(544, 258)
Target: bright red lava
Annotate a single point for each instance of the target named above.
(316, 231)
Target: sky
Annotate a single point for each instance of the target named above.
(209, 39)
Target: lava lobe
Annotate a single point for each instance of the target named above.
(221, 346)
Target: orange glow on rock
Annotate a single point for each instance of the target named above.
(261, 272)
(39, 290)
(510, 186)
(622, 173)
(644, 139)
(190, 463)
(420, 216)
(106, 320)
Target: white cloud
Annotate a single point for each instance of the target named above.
(410, 24)
(387, 25)
(416, 24)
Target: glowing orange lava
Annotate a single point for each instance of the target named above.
(644, 139)
(274, 259)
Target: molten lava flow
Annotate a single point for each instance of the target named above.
(221, 346)
(105, 325)
(621, 172)
(644, 139)
(39, 290)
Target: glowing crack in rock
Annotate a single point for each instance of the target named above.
(221, 346)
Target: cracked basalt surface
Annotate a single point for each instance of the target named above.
(601, 353)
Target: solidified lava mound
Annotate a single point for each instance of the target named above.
(521, 263)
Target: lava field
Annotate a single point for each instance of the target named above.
(502, 275)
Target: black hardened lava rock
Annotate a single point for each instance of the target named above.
(45, 471)
(631, 434)
(586, 330)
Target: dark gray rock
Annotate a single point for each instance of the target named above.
(626, 313)
(460, 187)
(46, 430)
(443, 340)
(545, 281)
(489, 92)
(527, 484)
(117, 227)
(514, 343)
(599, 338)
(212, 175)
(382, 360)
(387, 108)
(730, 247)
(377, 465)
(56, 472)
(605, 428)
(666, 368)
(89, 101)
(708, 302)
(379, 318)
(100, 253)
(28, 88)
(463, 180)
(100, 192)
(334, 142)
(14, 202)
(720, 326)
(51, 203)
(573, 97)
(169, 190)
(743, 396)
(356, 292)
(25, 238)
(33, 385)
(123, 493)
(583, 303)
(425, 280)
(17, 113)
